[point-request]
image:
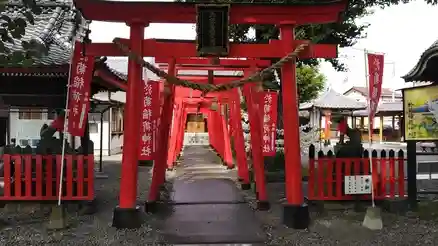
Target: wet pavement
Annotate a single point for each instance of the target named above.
(207, 206)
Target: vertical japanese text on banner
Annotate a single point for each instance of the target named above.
(149, 117)
(375, 77)
(81, 72)
(269, 122)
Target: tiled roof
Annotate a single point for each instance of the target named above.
(54, 27)
(425, 69)
(383, 107)
(119, 66)
(386, 92)
(333, 100)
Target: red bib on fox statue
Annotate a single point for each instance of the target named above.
(58, 123)
(343, 126)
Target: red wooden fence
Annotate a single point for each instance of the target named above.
(326, 175)
(36, 177)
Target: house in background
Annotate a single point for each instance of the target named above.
(25, 123)
(106, 120)
(361, 94)
(389, 109)
(112, 123)
(29, 95)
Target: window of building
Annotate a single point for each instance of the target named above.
(117, 119)
(30, 113)
(24, 142)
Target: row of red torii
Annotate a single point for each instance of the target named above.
(138, 15)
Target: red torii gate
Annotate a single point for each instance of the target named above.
(219, 131)
(139, 15)
(227, 64)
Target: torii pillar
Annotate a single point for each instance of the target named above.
(296, 212)
(127, 214)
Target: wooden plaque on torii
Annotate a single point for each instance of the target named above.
(212, 21)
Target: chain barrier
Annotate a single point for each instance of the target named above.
(206, 88)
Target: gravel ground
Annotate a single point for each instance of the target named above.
(343, 227)
(334, 227)
(29, 228)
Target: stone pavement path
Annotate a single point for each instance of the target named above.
(207, 206)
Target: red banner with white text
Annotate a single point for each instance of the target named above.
(375, 79)
(81, 73)
(269, 103)
(150, 108)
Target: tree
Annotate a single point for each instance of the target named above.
(310, 82)
(12, 28)
(345, 34)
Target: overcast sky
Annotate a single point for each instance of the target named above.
(402, 32)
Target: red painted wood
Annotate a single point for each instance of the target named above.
(194, 97)
(17, 175)
(210, 128)
(180, 141)
(239, 141)
(166, 12)
(80, 176)
(223, 62)
(294, 193)
(177, 12)
(131, 139)
(202, 68)
(159, 171)
(49, 175)
(202, 79)
(323, 186)
(29, 178)
(28, 175)
(228, 156)
(39, 175)
(154, 48)
(174, 136)
(252, 102)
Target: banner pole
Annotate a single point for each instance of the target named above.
(65, 128)
(370, 124)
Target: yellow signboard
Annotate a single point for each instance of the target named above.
(421, 113)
